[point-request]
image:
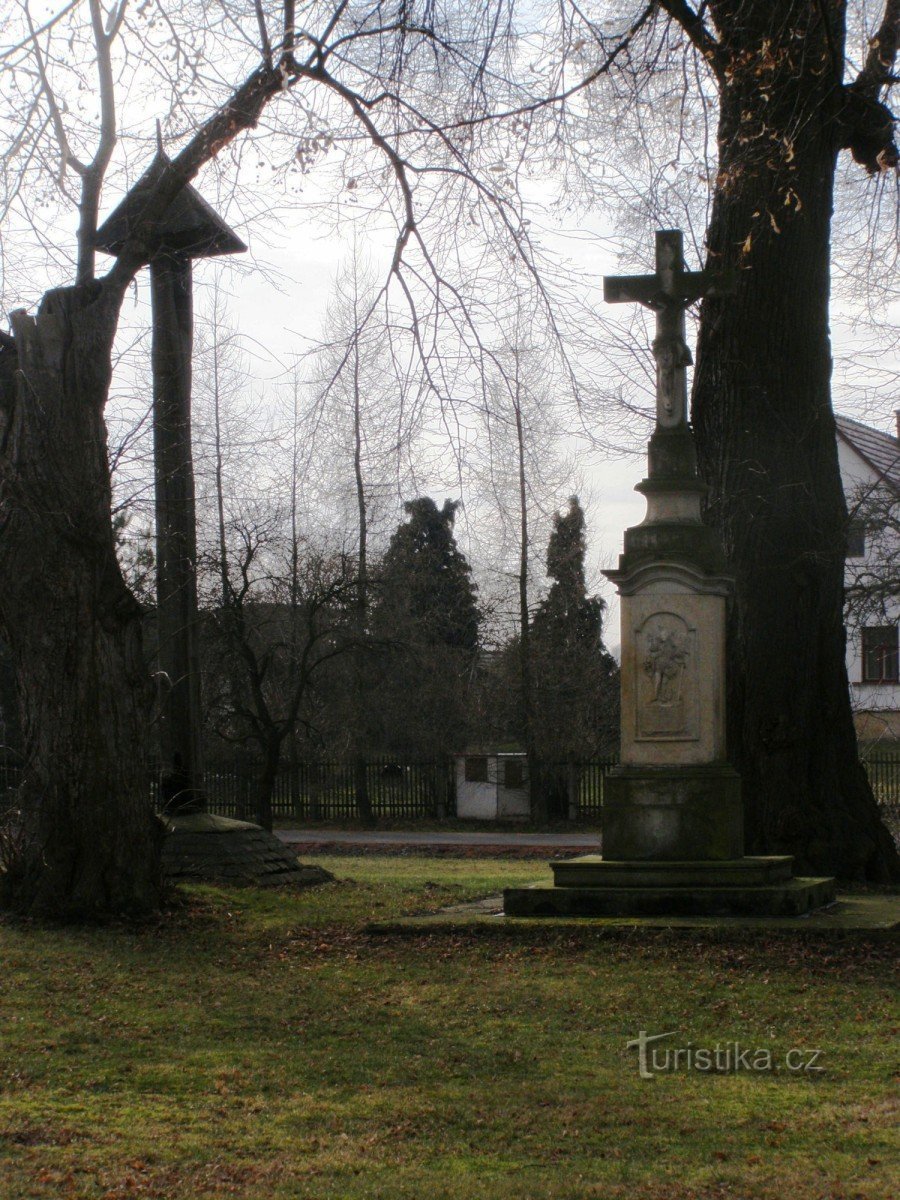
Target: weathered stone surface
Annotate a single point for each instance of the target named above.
(673, 674)
(789, 898)
(590, 870)
(874, 915)
(201, 847)
(686, 813)
(672, 814)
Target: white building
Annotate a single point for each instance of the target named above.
(870, 471)
(492, 785)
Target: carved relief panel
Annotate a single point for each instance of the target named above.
(667, 684)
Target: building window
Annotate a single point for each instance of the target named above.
(879, 654)
(856, 540)
(476, 769)
(513, 774)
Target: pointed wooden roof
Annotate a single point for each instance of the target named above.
(190, 227)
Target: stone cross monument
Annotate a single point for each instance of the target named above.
(672, 813)
(674, 584)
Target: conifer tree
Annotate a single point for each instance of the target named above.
(426, 621)
(575, 678)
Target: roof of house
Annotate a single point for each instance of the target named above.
(879, 450)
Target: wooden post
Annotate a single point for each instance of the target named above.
(176, 535)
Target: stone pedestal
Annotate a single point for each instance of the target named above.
(673, 840)
(672, 813)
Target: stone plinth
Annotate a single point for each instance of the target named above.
(591, 886)
(590, 870)
(204, 848)
(685, 897)
(666, 812)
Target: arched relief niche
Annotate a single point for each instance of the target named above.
(667, 685)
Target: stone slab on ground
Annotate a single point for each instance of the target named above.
(202, 847)
(789, 898)
(591, 870)
(876, 914)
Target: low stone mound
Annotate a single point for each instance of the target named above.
(204, 848)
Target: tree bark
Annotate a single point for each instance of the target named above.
(766, 441)
(87, 841)
(266, 783)
(176, 533)
(360, 663)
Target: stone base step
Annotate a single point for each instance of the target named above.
(790, 898)
(204, 848)
(591, 870)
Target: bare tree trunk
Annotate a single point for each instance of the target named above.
(265, 787)
(90, 841)
(536, 790)
(360, 676)
(766, 441)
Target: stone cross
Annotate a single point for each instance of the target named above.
(668, 293)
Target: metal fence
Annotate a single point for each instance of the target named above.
(326, 791)
(884, 775)
(587, 788)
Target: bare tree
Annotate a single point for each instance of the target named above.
(286, 613)
(872, 579)
(411, 89)
(361, 427)
(516, 477)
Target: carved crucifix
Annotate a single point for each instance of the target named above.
(668, 293)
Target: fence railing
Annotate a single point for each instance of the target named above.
(883, 771)
(326, 791)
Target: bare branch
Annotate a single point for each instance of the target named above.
(877, 71)
(694, 26)
(866, 127)
(66, 157)
(265, 44)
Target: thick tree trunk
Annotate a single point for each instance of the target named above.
(87, 841)
(265, 787)
(361, 791)
(766, 440)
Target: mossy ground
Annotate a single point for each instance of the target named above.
(262, 1045)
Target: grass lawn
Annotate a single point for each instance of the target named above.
(263, 1046)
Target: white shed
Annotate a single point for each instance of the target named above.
(492, 785)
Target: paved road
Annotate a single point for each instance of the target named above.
(436, 838)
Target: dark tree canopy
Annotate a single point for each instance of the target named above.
(425, 626)
(567, 615)
(575, 678)
(425, 581)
